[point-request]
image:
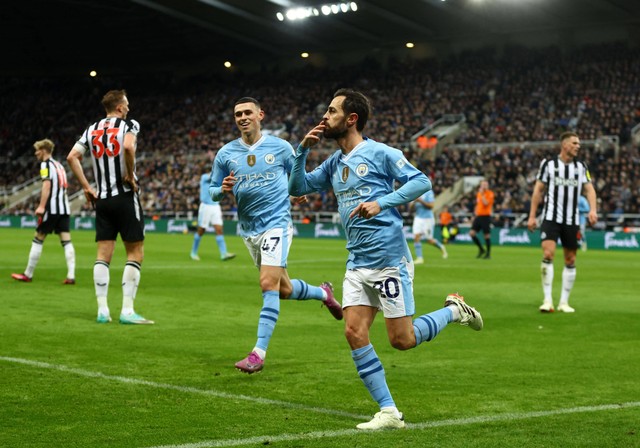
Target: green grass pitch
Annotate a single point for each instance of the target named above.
(526, 380)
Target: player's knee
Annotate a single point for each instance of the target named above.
(402, 343)
(268, 283)
(355, 337)
(285, 291)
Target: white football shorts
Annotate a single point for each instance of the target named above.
(270, 248)
(209, 215)
(424, 226)
(388, 289)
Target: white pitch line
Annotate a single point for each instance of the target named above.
(192, 390)
(264, 440)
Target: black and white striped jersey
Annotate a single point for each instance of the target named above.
(58, 201)
(564, 183)
(105, 140)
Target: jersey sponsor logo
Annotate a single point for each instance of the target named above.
(362, 170)
(401, 163)
(251, 159)
(560, 182)
(345, 173)
(353, 196)
(270, 158)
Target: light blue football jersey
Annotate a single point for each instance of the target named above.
(205, 197)
(261, 190)
(583, 209)
(366, 174)
(421, 210)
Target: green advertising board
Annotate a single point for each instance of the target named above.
(501, 237)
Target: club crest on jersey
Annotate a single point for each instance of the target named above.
(270, 158)
(345, 173)
(362, 170)
(251, 159)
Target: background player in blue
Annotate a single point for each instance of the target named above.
(209, 215)
(583, 209)
(255, 168)
(423, 225)
(379, 267)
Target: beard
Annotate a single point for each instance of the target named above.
(335, 133)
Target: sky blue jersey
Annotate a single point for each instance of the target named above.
(421, 210)
(366, 174)
(583, 209)
(261, 189)
(205, 197)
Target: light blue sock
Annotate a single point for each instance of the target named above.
(437, 243)
(222, 245)
(372, 374)
(427, 326)
(304, 291)
(418, 248)
(268, 318)
(196, 243)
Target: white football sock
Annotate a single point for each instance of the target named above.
(130, 281)
(70, 255)
(568, 279)
(546, 271)
(34, 257)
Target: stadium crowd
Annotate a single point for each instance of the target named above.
(516, 96)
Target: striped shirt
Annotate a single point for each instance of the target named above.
(58, 201)
(105, 140)
(564, 183)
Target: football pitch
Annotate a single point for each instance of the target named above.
(527, 380)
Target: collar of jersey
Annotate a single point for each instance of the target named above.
(358, 146)
(255, 145)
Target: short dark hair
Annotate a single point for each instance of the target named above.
(355, 102)
(247, 99)
(112, 99)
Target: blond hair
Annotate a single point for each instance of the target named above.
(45, 144)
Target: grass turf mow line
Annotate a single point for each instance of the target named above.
(263, 440)
(187, 389)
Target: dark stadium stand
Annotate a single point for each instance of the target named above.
(515, 98)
